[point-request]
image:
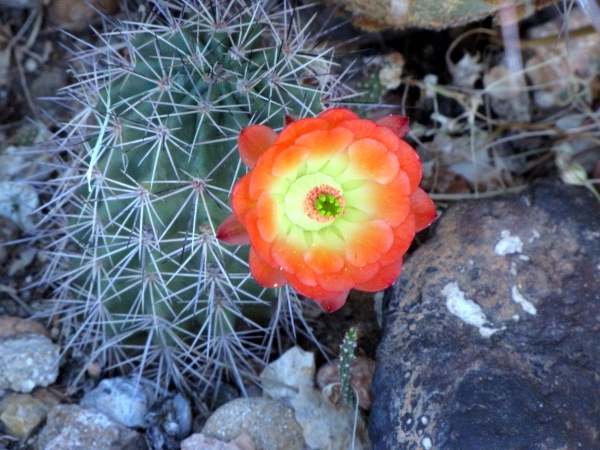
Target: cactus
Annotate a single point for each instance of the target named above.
(347, 357)
(141, 282)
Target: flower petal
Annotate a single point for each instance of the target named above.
(333, 304)
(253, 142)
(324, 145)
(241, 202)
(423, 208)
(298, 128)
(288, 253)
(410, 163)
(390, 202)
(398, 124)
(360, 128)
(348, 277)
(269, 215)
(323, 260)
(328, 300)
(289, 160)
(266, 275)
(404, 234)
(262, 179)
(407, 156)
(366, 242)
(370, 159)
(262, 248)
(336, 280)
(384, 278)
(232, 232)
(335, 116)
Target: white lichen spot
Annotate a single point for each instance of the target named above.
(426, 443)
(525, 304)
(424, 420)
(513, 268)
(535, 234)
(524, 257)
(508, 244)
(516, 317)
(466, 310)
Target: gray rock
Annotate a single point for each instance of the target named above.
(124, 400)
(328, 425)
(492, 333)
(271, 424)
(28, 361)
(75, 428)
(281, 379)
(200, 442)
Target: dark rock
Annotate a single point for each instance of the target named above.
(492, 333)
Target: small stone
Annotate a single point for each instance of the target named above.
(168, 422)
(17, 202)
(361, 374)
(28, 361)
(328, 426)
(122, 399)
(293, 369)
(77, 14)
(199, 441)
(75, 428)
(12, 326)
(271, 424)
(21, 413)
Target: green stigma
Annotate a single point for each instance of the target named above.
(327, 205)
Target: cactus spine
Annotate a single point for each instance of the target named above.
(142, 282)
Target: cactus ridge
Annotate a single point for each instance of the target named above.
(149, 160)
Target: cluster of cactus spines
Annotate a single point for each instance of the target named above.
(142, 283)
(347, 357)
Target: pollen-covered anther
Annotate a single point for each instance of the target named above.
(324, 203)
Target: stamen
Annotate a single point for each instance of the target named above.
(324, 203)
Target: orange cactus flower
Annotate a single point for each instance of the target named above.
(332, 203)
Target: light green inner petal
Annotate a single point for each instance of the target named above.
(331, 237)
(355, 215)
(295, 198)
(354, 184)
(279, 188)
(333, 166)
(298, 237)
